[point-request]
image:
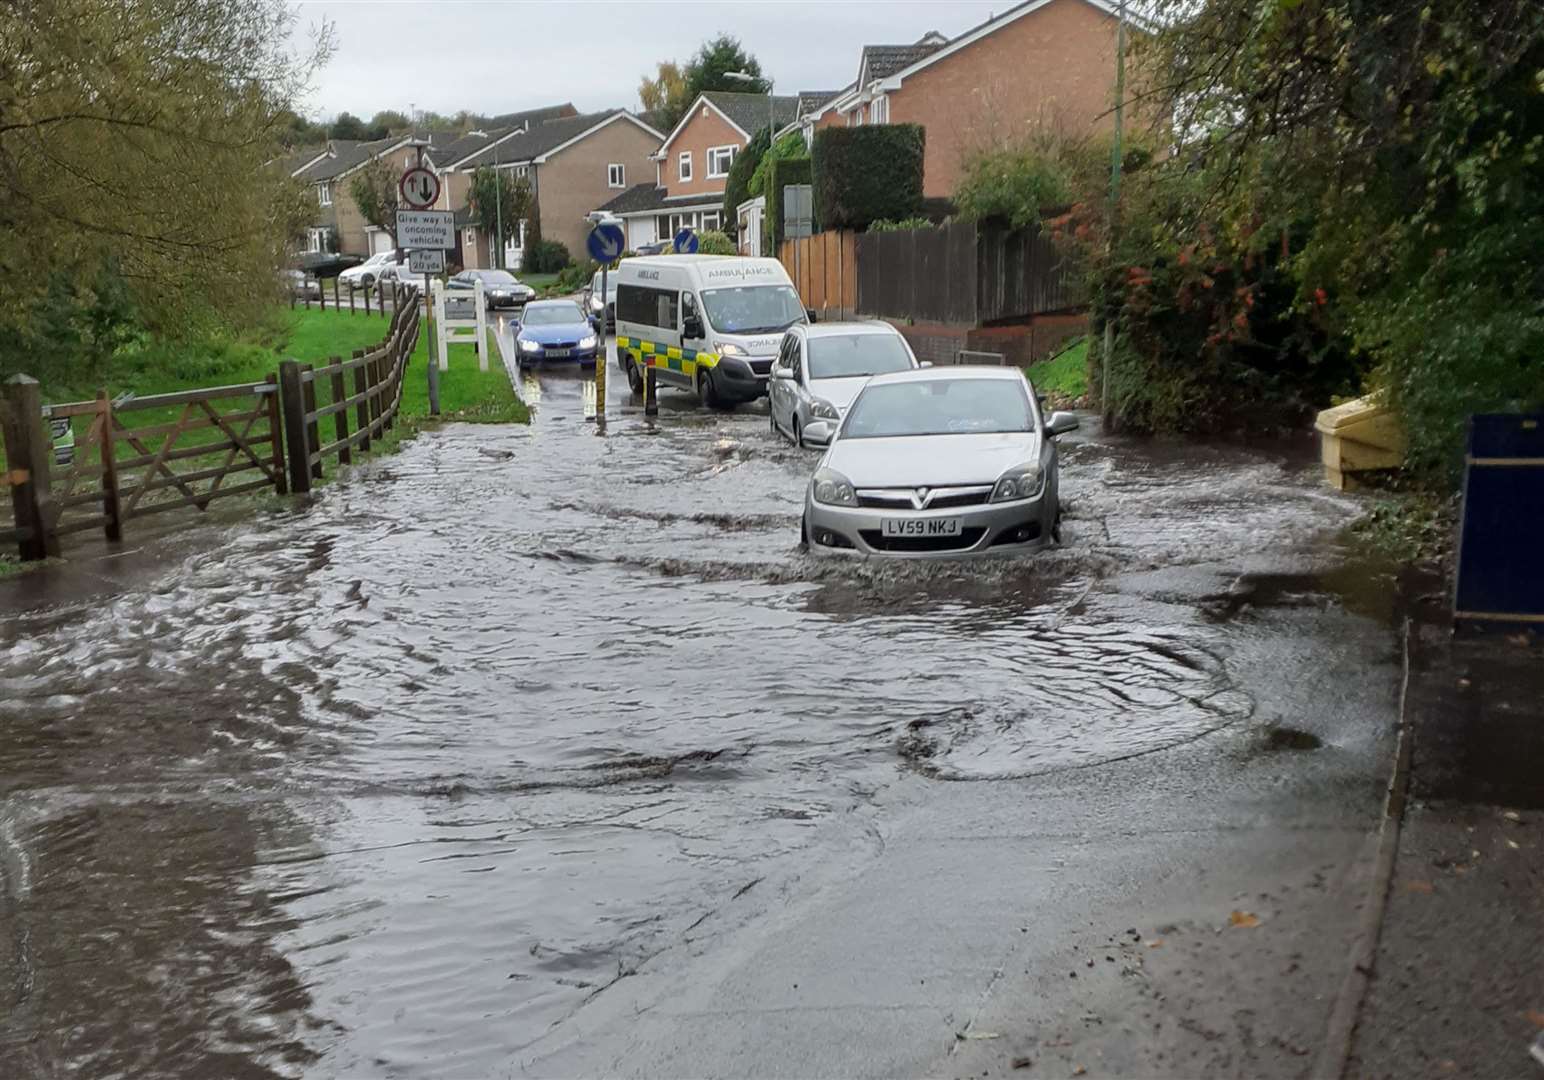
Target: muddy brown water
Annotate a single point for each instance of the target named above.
(397, 782)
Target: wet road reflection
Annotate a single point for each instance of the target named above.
(399, 782)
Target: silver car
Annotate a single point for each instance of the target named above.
(940, 461)
(820, 369)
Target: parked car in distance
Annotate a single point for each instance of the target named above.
(939, 462)
(368, 272)
(301, 285)
(596, 304)
(820, 369)
(554, 330)
(500, 288)
(658, 247)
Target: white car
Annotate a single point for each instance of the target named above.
(368, 272)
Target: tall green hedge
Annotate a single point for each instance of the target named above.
(866, 174)
(736, 187)
(781, 173)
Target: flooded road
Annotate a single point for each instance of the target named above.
(493, 748)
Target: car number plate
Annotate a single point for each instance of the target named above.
(920, 527)
(557, 352)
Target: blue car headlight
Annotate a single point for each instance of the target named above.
(527, 345)
(587, 342)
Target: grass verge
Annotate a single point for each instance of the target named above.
(1064, 377)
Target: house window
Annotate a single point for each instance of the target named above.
(469, 238)
(316, 240)
(520, 170)
(324, 194)
(879, 112)
(616, 175)
(719, 160)
(684, 166)
(710, 220)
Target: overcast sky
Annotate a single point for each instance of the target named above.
(496, 56)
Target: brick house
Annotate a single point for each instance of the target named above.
(337, 225)
(1043, 64)
(572, 163)
(691, 165)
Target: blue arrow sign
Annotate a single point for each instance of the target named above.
(606, 242)
(686, 242)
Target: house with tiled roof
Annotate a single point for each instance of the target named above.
(337, 224)
(691, 165)
(571, 162)
(1042, 64)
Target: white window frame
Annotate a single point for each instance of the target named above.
(469, 237)
(879, 111)
(706, 214)
(683, 166)
(324, 193)
(715, 173)
(616, 175)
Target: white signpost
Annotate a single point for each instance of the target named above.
(462, 328)
(426, 235)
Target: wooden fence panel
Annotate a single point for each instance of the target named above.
(823, 270)
(1021, 273)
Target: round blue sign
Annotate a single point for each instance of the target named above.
(686, 242)
(606, 242)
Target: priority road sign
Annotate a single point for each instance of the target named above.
(425, 229)
(606, 242)
(419, 188)
(686, 242)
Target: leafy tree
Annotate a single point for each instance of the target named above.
(139, 135)
(790, 147)
(389, 122)
(714, 242)
(347, 126)
(295, 130)
(499, 200)
(709, 68)
(374, 191)
(663, 96)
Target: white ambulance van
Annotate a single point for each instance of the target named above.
(710, 324)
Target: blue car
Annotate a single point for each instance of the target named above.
(556, 330)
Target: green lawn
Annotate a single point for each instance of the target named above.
(1065, 375)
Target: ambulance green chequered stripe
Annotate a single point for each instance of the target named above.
(686, 361)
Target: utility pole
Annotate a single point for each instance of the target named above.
(1108, 350)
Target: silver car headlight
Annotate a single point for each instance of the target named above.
(587, 342)
(1019, 482)
(729, 348)
(834, 489)
(526, 345)
(824, 410)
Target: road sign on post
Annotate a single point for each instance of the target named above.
(419, 188)
(686, 242)
(798, 211)
(605, 243)
(426, 261)
(425, 229)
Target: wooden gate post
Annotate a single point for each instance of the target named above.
(28, 451)
(110, 506)
(276, 435)
(292, 398)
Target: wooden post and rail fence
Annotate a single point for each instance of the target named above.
(185, 446)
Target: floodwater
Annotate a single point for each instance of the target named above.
(397, 783)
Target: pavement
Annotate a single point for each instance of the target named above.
(1458, 982)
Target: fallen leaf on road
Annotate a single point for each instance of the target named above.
(1079, 1071)
(1535, 1017)
(1023, 1063)
(1156, 943)
(1513, 844)
(981, 1035)
(1512, 815)
(1420, 887)
(1244, 919)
